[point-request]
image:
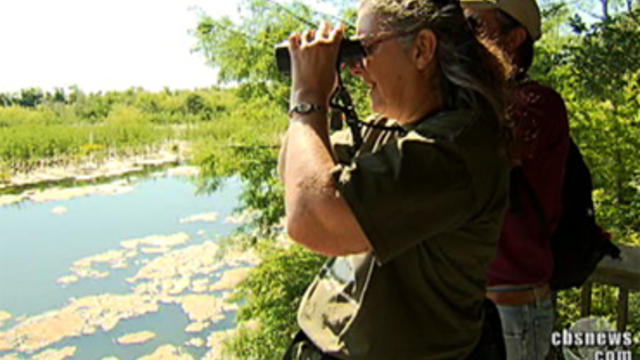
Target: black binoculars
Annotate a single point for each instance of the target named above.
(350, 51)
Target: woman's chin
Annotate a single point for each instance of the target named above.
(379, 109)
(376, 105)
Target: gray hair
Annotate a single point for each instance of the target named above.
(471, 74)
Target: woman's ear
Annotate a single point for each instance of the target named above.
(514, 39)
(424, 48)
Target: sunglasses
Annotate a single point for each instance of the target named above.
(353, 51)
(369, 43)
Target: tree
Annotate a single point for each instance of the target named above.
(75, 94)
(608, 52)
(244, 52)
(30, 97)
(59, 95)
(604, 68)
(550, 52)
(596, 69)
(6, 99)
(605, 8)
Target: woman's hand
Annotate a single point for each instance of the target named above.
(314, 54)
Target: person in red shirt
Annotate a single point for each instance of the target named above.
(518, 277)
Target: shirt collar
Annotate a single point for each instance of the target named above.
(444, 124)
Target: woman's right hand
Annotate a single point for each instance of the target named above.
(314, 55)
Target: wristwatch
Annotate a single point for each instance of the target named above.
(304, 108)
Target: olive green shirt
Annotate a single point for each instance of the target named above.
(431, 203)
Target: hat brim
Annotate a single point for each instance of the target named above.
(479, 4)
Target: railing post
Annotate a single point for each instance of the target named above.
(585, 303)
(554, 302)
(623, 308)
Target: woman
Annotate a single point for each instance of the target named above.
(412, 218)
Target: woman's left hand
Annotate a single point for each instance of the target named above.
(314, 54)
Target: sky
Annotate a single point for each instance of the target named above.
(104, 44)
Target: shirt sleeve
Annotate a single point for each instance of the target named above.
(406, 192)
(342, 146)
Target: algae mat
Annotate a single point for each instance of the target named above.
(121, 274)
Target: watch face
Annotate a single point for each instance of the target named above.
(304, 108)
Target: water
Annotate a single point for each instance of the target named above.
(37, 247)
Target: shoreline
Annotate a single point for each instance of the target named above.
(90, 171)
(108, 177)
(69, 189)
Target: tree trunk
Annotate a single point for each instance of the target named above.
(605, 9)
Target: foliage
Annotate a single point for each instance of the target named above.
(604, 305)
(603, 9)
(29, 97)
(245, 144)
(273, 292)
(228, 49)
(61, 127)
(601, 88)
(5, 172)
(550, 54)
(606, 55)
(261, 190)
(597, 70)
(609, 136)
(26, 145)
(244, 52)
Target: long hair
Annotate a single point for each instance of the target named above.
(471, 74)
(524, 53)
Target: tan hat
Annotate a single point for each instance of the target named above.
(526, 12)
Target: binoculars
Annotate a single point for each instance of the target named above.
(350, 51)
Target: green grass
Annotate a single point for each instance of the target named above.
(122, 123)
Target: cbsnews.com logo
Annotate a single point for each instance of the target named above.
(593, 339)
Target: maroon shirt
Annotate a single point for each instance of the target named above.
(542, 130)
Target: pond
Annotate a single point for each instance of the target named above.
(80, 272)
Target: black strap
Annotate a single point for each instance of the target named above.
(340, 100)
(301, 337)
